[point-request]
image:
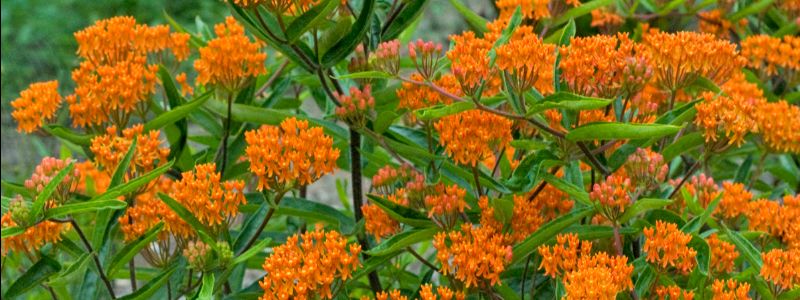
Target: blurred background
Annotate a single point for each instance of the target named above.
(38, 45)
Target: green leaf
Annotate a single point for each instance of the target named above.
(684, 144)
(348, 43)
(15, 188)
(641, 206)
(751, 9)
(122, 167)
(255, 249)
(402, 240)
(748, 251)
(568, 101)
(583, 9)
(694, 225)
(38, 204)
(506, 292)
(513, 23)
(593, 232)
(131, 249)
(530, 145)
(575, 192)
(12, 231)
(133, 184)
(309, 19)
(411, 12)
(36, 274)
(384, 121)
(371, 264)
(86, 206)
(251, 223)
(152, 286)
(706, 84)
(177, 113)
(791, 294)
(476, 22)
(311, 210)
(401, 213)
(207, 289)
(670, 7)
(620, 131)
(548, 231)
(366, 75)
(646, 278)
(66, 134)
(440, 111)
(703, 253)
(188, 217)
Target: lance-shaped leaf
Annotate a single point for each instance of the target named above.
(440, 111)
(620, 131)
(37, 207)
(152, 286)
(309, 19)
(641, 206)
(36, 274)
(402, 240)
(568, 101)
(547, 232)
(411, 11)
(131, 249)
(82, 207)
(189, 218)
(348, 43)
(401, 213)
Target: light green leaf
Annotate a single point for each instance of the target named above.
(583, 9)
(255, 249)
(131, 249)
(440, 111)
(400, 213)
(620, 131)
(38, 204)
(475, 21)
(152, 286)
(684, 144)
(640, 206)
(12, 231)
(189, 218)
(81, 207)
(366, 75)
(548, 231)
(33, 276)
(402, 240)
(177, 113)
(568, 101)
(207, 289)
(752, 9)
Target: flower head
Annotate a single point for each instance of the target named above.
(734, 200)
(307, 265)
(667, 246)
(427, 292)
(527, 216)
(646, 168)
(782, 268)
(778, 126)
(110, 149)
(390, 178)
(599, 276)
(355, 108)
(476, 255)
(772, 55)
(562, 258)
(289, 155)
(605, 65)
(723, 254)
(425, 56)
(529, 62)
(119, 39)
(470, 62)
(613, 196)
(378, 223)
(36, 105)
(469, 137)
(47, 169)
(673, 292)
(230, 59)
(387, 57)
(33, 238)
(730, 290)
(446, 204)
(207, 197)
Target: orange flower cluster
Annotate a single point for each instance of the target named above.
(186, 88)
(782, 268)
(469, 137)
(702, 187)
(306, 266)
(148, 210)
(33, 238)
(714, 22)
(386, 56)
(389, 178)
(701, 55)
(551, 202)
(667, 246)
(476, 255)
(606, 19)
(735, 198)
(230, 59)
(529, 63)
(585, 275)
(772, 55)
(48, 168)
(730, 290)
(781, 221)
(604, 65)
(110, 149)
(289, 155)
(114, 79)
(414, 96)
(355, 108)
(445, 204)
(526, 216)
(673, 292)
(470, 62)
(378, 223)
(777, 123)
(646, 168)
(211, 201)
(391, 295)
(93, 181)
(534, 9)
(428, 53)
(444, 293)
(612, 195)
(36, 105)
(723, 255)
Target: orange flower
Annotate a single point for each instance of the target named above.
(679, 58)
(119, 39)
(599, 276)
(606, 19)
(393, 295)
(772, 55)
(186, 89)
(33, 238)
(529, 63)
(426, 293)
(673, 292)
(469, 137)
(289, 155)
(781, 268)
(93, 181)
(306, 266)
(475, 255)
(110, 149)
(563, 257)
(390, 178)
(777, 123)
(720, 113)
(36, 105)
(378, 223)
(551, 202)
(723, 254)
(230, 59)
(780, 221)
(667, 246)
(531, 9)
(470, 62)
(445, 204)
(604, 66)
(526, 216)
(730, 290)
(612, 195)
(210, 200)
(734, 200)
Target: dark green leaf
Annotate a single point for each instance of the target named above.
(476, 22)
(751, 9)
(694, 225)
(258, 115)
(575, 192)
(684, 144)
(568, 101)
(513, 23)
(401, 213)
(66, 134)
(412, 10)
(255, 249)
(122, 167)
(583, 9)
(188, 217)
(348, 43)
(309, 19)
(152, 286)
(311, 210)
(12, 231)
(131, 249)
(548, 231)
(641, 206)
(177, 113)
(36, 274)
(37, 207)
(748, 251)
